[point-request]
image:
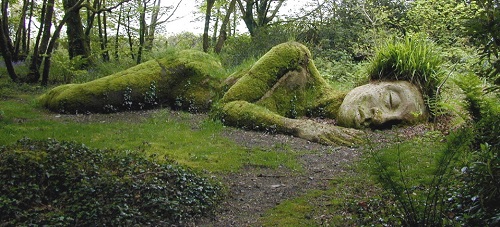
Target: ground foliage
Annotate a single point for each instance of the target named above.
(51, 182)
(478, 191)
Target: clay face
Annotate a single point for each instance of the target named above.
(381, 105)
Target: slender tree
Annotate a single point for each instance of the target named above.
(223, 30)
(208, 15)
(129, 33)
(117, 36)
(142, 28)
(103, 35)
(20, 48)
(150, 35)
(42, 41)
(6, 54)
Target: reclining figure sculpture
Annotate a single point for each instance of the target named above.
(282, 92)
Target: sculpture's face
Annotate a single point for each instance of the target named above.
(381, 105)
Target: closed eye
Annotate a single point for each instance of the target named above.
(390, 100)
(394, 100)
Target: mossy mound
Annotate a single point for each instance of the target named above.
(286, 81)
(187, 80)
(59, 183)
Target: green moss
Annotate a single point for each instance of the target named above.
(248, 115)
(285, 81)
(267, 71)
(186, 79)
(296, 212)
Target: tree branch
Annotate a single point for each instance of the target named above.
(96, 11)
(170, 16)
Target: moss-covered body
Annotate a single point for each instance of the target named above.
(187, 80)
(286, 81)
(283, 85)
(280, 87)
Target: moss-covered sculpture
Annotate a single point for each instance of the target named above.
(187, 80)
(286, 81)
(281, 86)
(279, 93)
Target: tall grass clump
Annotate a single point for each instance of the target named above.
(413, 58)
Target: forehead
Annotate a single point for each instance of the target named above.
(376, 90)
(398, 86)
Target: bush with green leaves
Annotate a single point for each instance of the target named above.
(478, 203)
(418, 175)
(413, 58)
(64, 183)
(483, 27)
(243, 47)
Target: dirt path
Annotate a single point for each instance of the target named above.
(256, 189)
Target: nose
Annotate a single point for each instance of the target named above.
(375, 117)
(367, 116)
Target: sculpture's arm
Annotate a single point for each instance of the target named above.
(251, 116)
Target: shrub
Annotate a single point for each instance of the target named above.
(419, 176)
(478, 203)
(64, 183)
(241, 48)
(414, 59)
(343, 75)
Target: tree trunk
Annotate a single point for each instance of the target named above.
(129, 34)
(117, 32)
(208, 13)
(51, 45)
(103, 42)
(235, 18)
(152, 26)
(6, 54)
(105, 30)
(41, 41)
(77, 43)
(28, 36)
(264, 13)
(216, 27)
(20, 51)
(90, 21)
(48, 54)
(223, 29)
(142, 31)
(5, 27)
(247, 12)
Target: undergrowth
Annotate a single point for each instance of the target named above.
(418, 175)
(65, 183)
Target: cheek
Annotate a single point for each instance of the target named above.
(409, 110)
